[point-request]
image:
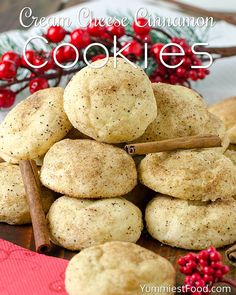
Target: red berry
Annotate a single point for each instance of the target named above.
(225, 269)
(197, 62)
(145, 38)
(187, 270)
(156, 49)
(173, 79)
(38, 84)
(182, 42)
(161, 70)
(197, 293)
(175, 49)
(116, 30)
(38, 61)
(95, 28)
(80, 38)
(30, 56)
(55, 34)
(188, 51)
(69, 53)
(156, 79)
(50, 65)
(11, 56)
(192, 75)
(134, 49)
(175, 61)
(203, 262)
(191, 264)
(186, 62)
(59, 54)
(141, 26)
(180, 72)
(190, 257)
(97, 57)
(201, 74)
(7, 98)
(181, 261)
(215, 256)
(7, 70)
(207, 278)
(216, 265)
(208, 270)
(174, 40)
(200, 283)
(196, 277)
(218, 274)
(203, 255)
(188, 280)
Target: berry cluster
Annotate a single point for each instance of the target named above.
(96, 32)
(182, 73)
(201, 270)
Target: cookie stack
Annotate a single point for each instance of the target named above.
(195, 206)
(106, 108)
(27, 132)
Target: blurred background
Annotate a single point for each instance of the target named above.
(9, 9)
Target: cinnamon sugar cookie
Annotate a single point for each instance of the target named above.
(182, 112)
(190, 174)
(34, 125)
(190, 224)
(14, 207)
(76, 223)
(110, 104)
(119, 268)
(85, 168)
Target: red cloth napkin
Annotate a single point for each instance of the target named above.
(24, 272)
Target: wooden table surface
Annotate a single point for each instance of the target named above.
(22, 236)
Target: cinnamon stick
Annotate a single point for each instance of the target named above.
(33, 193)
(188, 142)
(231, 254)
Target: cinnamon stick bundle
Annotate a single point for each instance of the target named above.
(32, 185)
(231, 254)
(188, 142)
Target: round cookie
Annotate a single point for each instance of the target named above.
(76, 223)
(118, 268)
(34, 125)
(226, 111)
(110, 104)
(190, 224)
(190, 174)
(181, 112)
(14, 207)
(85, 168)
